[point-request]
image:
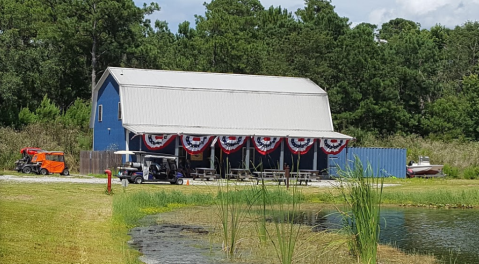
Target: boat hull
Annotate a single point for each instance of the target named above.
(426, 169)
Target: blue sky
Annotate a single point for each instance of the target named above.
(427, 12)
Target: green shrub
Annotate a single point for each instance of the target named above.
(451, 171)
(471, 173)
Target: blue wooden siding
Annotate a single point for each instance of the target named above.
(104, 139)
(384, 161)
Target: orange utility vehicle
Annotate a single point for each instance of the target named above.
(49, 162)
(27, 154)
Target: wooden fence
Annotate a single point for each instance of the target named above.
(96, 162)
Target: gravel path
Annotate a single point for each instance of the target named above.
(92, 180)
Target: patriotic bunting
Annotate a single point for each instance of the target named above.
(266, 145)
(156, 142)
(195, 144)
(333, 146)
(230, 144)
(300, 145)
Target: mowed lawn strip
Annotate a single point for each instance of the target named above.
(60, 223)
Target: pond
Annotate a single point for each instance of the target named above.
(451, 235)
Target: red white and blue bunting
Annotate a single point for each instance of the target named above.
(156, 142)
(300, 145)
(195, 144)
(230, 144)
(333, 146)
(266, 145)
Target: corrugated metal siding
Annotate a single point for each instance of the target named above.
(384, 161)
(173, 110)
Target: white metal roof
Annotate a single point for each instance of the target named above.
(172, 102)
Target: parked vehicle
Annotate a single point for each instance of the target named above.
(150, 168)
(424, 167)
(27, 154)
(48, 162)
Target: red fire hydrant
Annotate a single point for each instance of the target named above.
(108, 172)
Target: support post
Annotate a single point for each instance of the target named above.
(212, 157)
(246, 164)
(127, 144)
(177, 150)
(315, 157)
(281, 156)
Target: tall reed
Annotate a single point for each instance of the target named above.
(286, 231)
(362, 193)
(232, 210)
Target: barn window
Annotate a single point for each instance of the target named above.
(100, 113)
(119, 111)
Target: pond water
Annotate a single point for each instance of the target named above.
(452, 235)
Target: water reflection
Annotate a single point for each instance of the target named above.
(450, 235)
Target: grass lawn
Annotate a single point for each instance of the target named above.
(74, 223)
(59, 223)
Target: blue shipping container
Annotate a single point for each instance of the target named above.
(384, 161)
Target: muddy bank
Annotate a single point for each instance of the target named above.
(171, 243)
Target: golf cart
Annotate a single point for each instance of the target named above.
(47, 162)
(27, 154)
(150, 168)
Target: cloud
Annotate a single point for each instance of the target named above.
(423, 6)
(379, 16)
(449, 13)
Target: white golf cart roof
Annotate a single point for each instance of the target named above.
(124, 152)
(160, 157)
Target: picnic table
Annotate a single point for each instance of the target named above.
(239, 174)
(305, 175)
(204, 174)
(271, 175)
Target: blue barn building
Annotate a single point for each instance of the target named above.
(129, 103)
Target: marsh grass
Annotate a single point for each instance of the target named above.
(52, 137)
(456, 154)
(129, 208)
(362, 192)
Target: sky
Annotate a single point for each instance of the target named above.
(428, 13)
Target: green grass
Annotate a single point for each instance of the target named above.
(362, 193)
(78, 223)
(60, 223)
(420, 192)
(129, 208)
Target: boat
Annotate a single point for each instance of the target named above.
(424, 167)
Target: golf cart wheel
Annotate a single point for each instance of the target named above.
(43, 172)
(139, 180)
(65, 172)
(179, 181)
(27, 170)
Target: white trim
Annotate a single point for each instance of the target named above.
(127, 144)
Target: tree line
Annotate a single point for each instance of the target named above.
(394, 78)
